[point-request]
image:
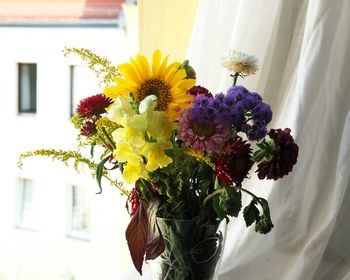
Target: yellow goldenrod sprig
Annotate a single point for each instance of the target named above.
(61, 155)
(65, 156)
(102, 67)
(201, 157)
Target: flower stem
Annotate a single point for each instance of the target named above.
(118, 185)
(235, 76)
(257, 199)
(218, 191)
(108, 138)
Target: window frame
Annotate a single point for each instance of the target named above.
(70, 231)
(32, 109)
(20, 207)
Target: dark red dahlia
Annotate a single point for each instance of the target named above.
(94, 105)
(88, 129)
(134, 200)
(284, 157)
(199, 91)
(234, 165)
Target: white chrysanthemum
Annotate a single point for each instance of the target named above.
(238, 62)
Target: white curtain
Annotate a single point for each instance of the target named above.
(303, 47)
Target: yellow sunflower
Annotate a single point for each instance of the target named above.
(168, 83)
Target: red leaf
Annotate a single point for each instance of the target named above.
(136, 236)
(155, 244)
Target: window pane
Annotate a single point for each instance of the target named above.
(83, 84)
(26, 212)
(80, 210)
(27, 88)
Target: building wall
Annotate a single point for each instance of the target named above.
(47, 252)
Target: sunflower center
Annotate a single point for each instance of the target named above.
(205, 130)
(157, 88)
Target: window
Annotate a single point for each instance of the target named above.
(83, 83)
(79, 212)
(27, 88)
(26, 211)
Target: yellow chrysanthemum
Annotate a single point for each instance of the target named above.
(168, 83)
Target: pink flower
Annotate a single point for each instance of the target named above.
(201, 137)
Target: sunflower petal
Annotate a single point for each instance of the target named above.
(157, 56)
(172, 68)
(128, 72)
(163, 68)
(144, 66)
(178, 76)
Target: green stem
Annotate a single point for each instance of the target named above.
(218, 191)
(235, 76)
(251, 194)
(118, 185)
(110, 140)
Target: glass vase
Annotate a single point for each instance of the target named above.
(192, 251)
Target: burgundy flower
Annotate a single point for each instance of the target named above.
(88, 129)
(284, 157)
(234, 165)
(199, 91)
(134, 200)
(94, 105)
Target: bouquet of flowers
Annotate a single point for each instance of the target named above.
(185, 151)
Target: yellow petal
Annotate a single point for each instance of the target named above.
(112, 92)
(132, 172)
(172, 68)
(138, 69)
(187, 84)
(157, 56)
(135, 137)
(178, 76)
(157, 159)
(144, 66)
(123, 153)
(163, 68)
(129, 73)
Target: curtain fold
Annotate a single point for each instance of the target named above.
(303, 47)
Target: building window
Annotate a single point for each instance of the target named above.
(83, 83)
(79, 212)
(26, 211)
(27, 88)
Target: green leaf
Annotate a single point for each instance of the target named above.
(136, 235)
(264, 224)
(233, 201)
(99, 172)
(251, 213)
(221, 213)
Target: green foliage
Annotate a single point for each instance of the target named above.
(102, 67)
(264, 223)
(251, 213)
(182, 186)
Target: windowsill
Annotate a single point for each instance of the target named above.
(77, 235)
(25, 228)
(27, 114)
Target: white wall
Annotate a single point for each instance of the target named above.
(48, 253)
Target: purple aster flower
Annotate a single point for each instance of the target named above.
(204, 137)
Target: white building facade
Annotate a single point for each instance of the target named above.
(52, 224)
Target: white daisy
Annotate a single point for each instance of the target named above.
(238, 62)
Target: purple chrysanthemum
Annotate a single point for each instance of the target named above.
(204, 137)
